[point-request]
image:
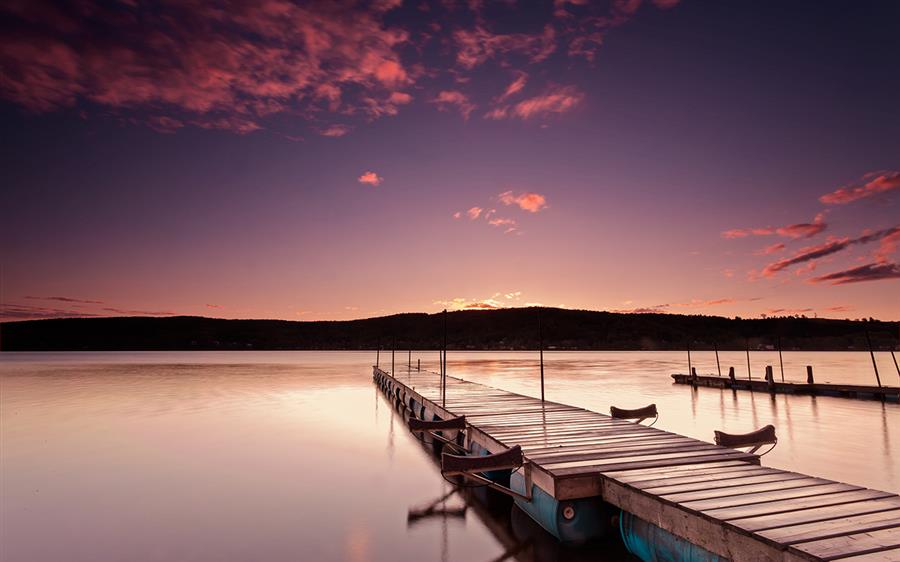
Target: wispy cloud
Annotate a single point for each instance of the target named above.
(370, 178)
(555, 100)
(768, 250)
(447, 99)
(819, 251)
(868, 272)
(798, 230)
(64, 299)
(516, 86)
(334, 131)
(474, 212)
(871, 184)
(478, 45)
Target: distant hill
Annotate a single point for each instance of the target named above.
(515, 328)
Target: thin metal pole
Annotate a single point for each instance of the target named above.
(444, 394)
(718, 367)
(378, 356)
(874, 364)
(393, 345)
(690, 370)
(749, 372)
(541, 347)
(780, 360)
(409, 361)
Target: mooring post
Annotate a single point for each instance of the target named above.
(780, 360)
(690, 368)
(418, 364)
(718, 367)
(393, 348)
(409, 361)
(749, 372)
(770, 378)
(809, 375)
(541, 348)
(694, 376)
(874, 364)
(731, 376)
(378, 356)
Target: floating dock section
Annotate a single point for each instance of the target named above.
(677, 498)
(886, 393)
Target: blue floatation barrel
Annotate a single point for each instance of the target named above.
(654, 544)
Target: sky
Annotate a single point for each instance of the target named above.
(337, 160)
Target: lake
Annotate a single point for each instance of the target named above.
(297, 456)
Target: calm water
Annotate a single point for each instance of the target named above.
(295, 456)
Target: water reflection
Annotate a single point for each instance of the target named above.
(283, 455)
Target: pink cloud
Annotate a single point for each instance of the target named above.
(515, 86)
(529, 201)
(555, 100)
(474, 213)
(234, 67)
(798, 230)
(830, 247)
(370, 178)
(334, 131)
(477, 46)
(447, 99)
(768, 250)
(867, 272)
(457, 215)
(872, 184)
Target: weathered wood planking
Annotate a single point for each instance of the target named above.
(717, 498)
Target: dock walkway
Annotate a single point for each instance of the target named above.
(718, 498)
(871, 392)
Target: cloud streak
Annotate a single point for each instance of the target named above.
(870, 185)
(795, 231)
(370, 178)
(528, 201)
(831, 247)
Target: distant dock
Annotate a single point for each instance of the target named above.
(863, 392)
(670, 495)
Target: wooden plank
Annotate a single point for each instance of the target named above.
(634, 475)
(709, 450)
(717, 490)
(550, 460)
(890, 555)
(645, 463)
(818, 513)
(718, 480)
(794, 504)
(848, 545)
(835, 527)
(769, 497)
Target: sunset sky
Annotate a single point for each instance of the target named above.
(306, 161)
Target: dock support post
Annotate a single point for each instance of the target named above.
(409, 361)
(874, 364)
(393, 348)
(770, 378)
(780, 360)
(718, 366)
(690, 368)
(378, 356)
(418, 364)
(749, 372)
(731, 376)
(541, 347)
(809, 375)
(444, 385)
(694, 376)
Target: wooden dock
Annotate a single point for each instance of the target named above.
(870, 392)
(717, 498)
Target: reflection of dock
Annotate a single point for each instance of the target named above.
(889, 393)
(716, 498)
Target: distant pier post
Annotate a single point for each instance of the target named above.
(780, 360)
(770, 378)
(749, 372)
(418, 364)
(694, 376)
(690, 368)
(541, 347)
(718, 366)
(393, 346)
(874, 364)
(894, 357)
(378, 356)
(731, 376)
(809, 375)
